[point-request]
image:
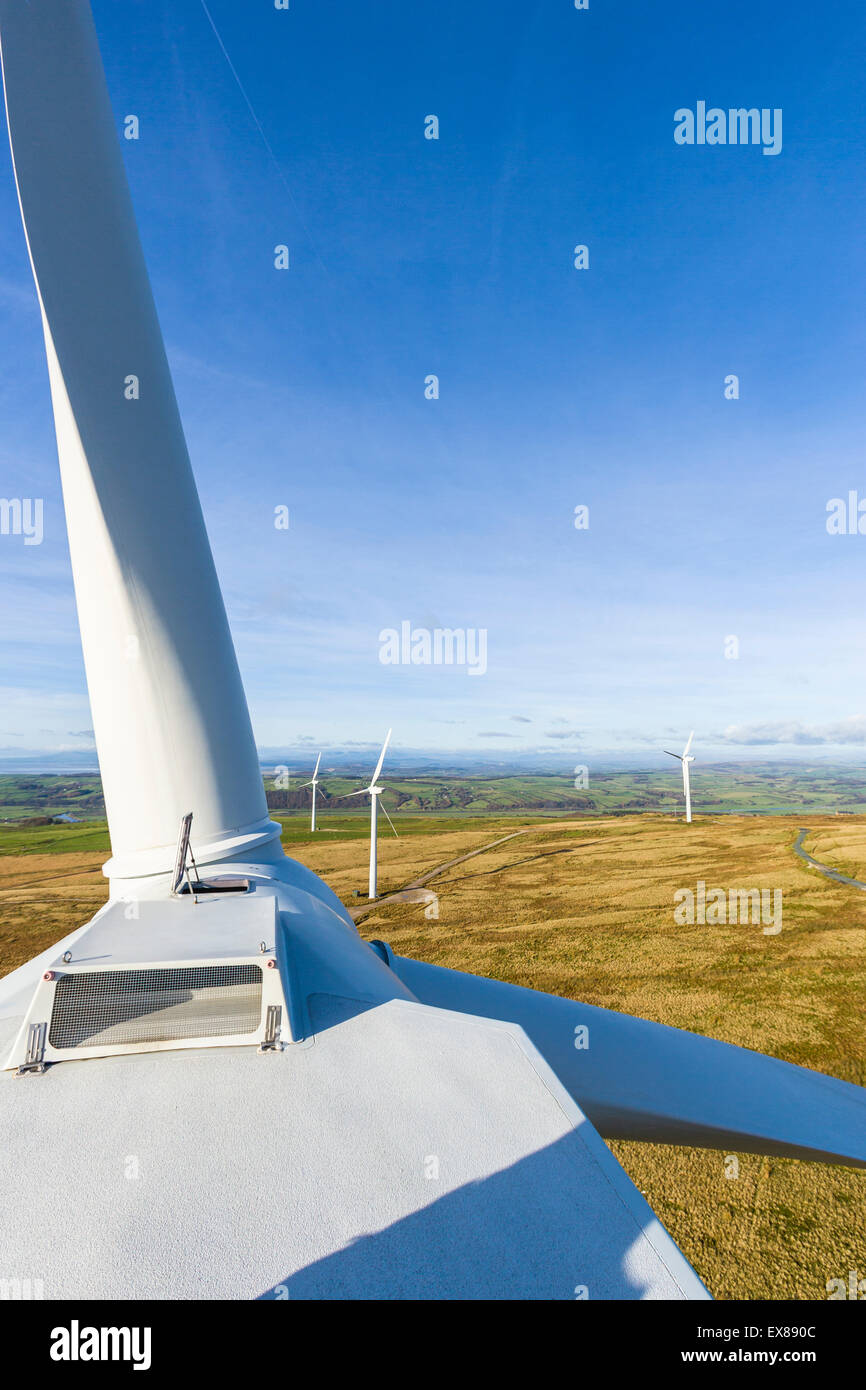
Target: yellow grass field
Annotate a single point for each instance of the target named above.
(586, 909)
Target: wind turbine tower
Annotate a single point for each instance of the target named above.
(375, 791)
(685, 758)
(314, 782)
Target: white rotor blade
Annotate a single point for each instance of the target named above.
(642, 1080)
(316, 768)
(670, 754)
(361, 792)
(388, 819)
(689, 744)
(172, 729)
(381, 758)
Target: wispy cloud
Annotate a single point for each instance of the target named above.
(850, 731)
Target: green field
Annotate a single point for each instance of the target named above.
(760, 788)
(766, 788)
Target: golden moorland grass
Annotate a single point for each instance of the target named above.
(586, 909)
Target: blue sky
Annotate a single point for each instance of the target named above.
(558, 387)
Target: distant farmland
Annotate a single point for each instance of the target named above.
(759, 788)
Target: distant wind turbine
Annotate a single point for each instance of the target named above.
(685, 759)
(314, 782)
(375, 791)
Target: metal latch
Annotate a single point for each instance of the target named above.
(35, 1058)
(273, 1019)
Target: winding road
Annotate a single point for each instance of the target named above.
(415, 892)
(824, 868)
(409, 894)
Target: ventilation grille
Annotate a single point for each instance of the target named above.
(119, 1007)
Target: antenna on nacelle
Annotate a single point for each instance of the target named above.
(184, 852)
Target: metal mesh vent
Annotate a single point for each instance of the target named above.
(114, 1007)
